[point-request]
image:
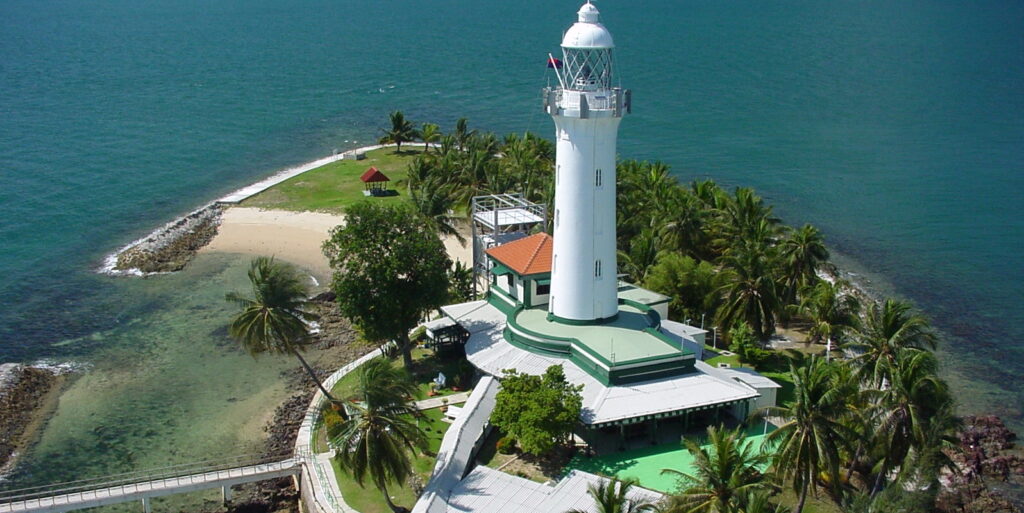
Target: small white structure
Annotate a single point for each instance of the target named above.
(586, 109)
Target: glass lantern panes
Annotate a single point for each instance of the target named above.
(587, 69)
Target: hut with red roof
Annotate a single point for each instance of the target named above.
(375, 183)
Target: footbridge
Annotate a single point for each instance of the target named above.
(144, 485)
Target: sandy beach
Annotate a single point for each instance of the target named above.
(295, 237)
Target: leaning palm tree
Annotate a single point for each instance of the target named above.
(401, 131)
(612, 496)
(721, 476)
(379, 436)
(274, 319)
(810, 440)
(888, 328)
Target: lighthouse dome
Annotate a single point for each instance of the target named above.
(588, 32)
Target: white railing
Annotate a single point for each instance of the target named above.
(322, 488)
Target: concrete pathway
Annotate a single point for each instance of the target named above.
(437, 402)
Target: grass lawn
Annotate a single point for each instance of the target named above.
(427, 364)
(370, 499)
(335, 186)
(776, 369)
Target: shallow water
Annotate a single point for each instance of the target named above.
(898, 128)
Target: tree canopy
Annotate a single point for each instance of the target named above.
(390, 268)
(538, 411)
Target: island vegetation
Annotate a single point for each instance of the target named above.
(867, 424)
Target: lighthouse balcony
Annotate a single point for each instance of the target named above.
(602, 103)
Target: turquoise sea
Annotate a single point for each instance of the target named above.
(896, 127)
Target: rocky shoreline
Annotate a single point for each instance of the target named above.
(25, 394)
(170, 247)
(338, 345)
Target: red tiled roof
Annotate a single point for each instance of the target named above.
(530, 255)
(374, 175)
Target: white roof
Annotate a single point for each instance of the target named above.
(438, 324)
(588, 32)
(749, 376)
(507, 217)
(489, 490)
(488, 350)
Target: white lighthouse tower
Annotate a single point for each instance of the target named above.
(587, 109)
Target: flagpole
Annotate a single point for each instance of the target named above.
(551, 59)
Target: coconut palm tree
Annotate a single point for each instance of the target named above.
(750, 292)
(904, 409)
(379, 436)
(830, 310)
(802, 252)
(275, 318)
(435, 202)
(887, 329)
(430, 133)
(810, 440)
(612, 496)
(722, 474)
(401, 131)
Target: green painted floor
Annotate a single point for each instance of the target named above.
(645, 464)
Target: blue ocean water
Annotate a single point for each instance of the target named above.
(896, 127)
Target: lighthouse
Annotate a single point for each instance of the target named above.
(586, 107)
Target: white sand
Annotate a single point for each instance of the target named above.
(295, 237)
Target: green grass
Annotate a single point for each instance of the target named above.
(370, 499)
(775, 368)
(335, 186)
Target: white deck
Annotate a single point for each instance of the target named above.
(488, 350)
(488, 490)
(507, 217)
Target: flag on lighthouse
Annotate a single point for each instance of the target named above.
(554, 62)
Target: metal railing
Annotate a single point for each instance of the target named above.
(127, 480)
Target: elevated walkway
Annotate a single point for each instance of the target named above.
(145, 485)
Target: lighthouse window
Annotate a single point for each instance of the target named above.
(558, 174)
(597, 178)
(597, 269)
(557, 217)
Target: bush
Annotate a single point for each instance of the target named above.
(743, 344)
(506, 445)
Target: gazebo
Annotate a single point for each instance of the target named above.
(374, 182)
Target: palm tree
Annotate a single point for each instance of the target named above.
(757, 502)
(401, 131)
(904, 409)
(829, 309)
(811, 438)
(434, 202)
(888, 328)
(750, 292)
(722, 475)
(274, 319)
(612, 496)
(802, 253)
(430, 133)
(377, 439)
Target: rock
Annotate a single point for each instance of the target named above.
(172, 246)
(22, 393)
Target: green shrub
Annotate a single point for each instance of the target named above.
(506, 445)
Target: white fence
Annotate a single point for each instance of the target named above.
(319, 487)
